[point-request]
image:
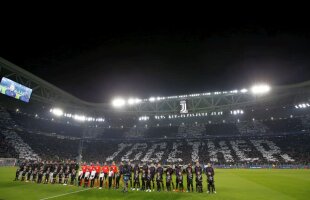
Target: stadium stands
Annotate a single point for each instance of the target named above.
(23, 149)
(221, 129)
(284, 125)
(258, 149)
(49, 147)
(46, 126)
(109, 133)
(161, 132)
(6, 150)
(266, 141)
(252, 127)
(188, 131)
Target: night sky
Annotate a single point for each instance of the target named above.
(100, 60)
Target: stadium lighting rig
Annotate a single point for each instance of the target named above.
(132, 101)
(244, 90)
(57, 111)
(151, 99)
(236, 112)
(144, 118)
(302, 105)
(260, 89)
(81, 118)
(118, 102)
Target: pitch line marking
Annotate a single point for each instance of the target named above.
(60, 195)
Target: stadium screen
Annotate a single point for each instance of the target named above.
(16, 90)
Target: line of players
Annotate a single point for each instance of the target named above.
(144, 178)
(48, 172)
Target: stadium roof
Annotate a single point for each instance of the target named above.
(46, 92)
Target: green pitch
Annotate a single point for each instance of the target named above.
(230, 184)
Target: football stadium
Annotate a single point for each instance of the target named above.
(252, 140)
(202, 108)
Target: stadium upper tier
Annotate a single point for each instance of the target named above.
(60, 128)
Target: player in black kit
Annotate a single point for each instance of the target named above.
(189, 176)
(170, 171)
(210, 178)
(160, 170)
(168, 181)
(198, 168)
(177, 171)
(199, 182)
(152, 173)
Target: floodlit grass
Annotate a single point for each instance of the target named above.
(230, 184)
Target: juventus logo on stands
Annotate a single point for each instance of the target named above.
(183, 107)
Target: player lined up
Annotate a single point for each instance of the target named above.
(146, 178)
(48, 172)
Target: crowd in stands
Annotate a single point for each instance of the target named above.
(274, 141)
(6, 150)
(284, 125)
(38, 124)
(252, 128)
(113, 133)
(194, 130)
(161, 132)
(180, 150)
(7, 127)
(49, 147)
(221, 129)
(191, 131)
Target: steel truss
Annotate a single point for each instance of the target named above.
(48, 93)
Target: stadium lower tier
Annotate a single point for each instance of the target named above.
(292, 148)
(6, 150)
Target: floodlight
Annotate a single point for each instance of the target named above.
(99, 119)
(57, 111)
(138, 100)
(118, 102)
(131, 101)
(79, 117)
(243, 90)
(260, 89)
